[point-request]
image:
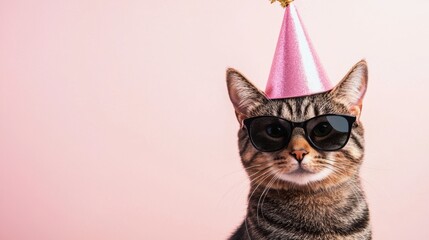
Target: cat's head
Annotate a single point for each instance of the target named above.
(300, 164)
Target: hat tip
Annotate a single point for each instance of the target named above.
(283, 3)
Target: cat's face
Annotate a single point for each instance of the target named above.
(299, 165)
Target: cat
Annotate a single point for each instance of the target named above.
(323, 199)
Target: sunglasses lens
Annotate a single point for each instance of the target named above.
(329, 132)
(269, 134)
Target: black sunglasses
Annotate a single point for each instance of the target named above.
(328, 132)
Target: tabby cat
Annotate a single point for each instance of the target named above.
(302, 187)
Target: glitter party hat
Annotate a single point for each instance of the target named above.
(296, 70)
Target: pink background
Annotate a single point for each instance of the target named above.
(115, 122)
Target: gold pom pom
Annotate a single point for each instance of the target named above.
(284, 3)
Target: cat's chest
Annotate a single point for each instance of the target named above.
(324, 215)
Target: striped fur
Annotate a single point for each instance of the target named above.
(329, 203)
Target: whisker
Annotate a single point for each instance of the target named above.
(354, 189)
(253, 174)
(266, 175)
(242, 182)
(267, 187)
(254, 166)
(276, 177)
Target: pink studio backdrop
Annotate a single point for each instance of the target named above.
(115, 122)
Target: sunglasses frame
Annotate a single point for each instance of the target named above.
(350, 119)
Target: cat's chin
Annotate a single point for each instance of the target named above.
(303, 177)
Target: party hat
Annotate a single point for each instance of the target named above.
(296, 70)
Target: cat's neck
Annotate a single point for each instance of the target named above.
(331, 197)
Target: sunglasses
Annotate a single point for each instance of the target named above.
(328, 132)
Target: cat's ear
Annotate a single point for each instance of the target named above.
(351, 90)
(244, 95)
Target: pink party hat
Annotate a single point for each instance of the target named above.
(296, 70)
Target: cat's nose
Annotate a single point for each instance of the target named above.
(299, 154)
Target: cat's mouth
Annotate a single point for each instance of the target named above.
(300, 171)
(302, 176)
